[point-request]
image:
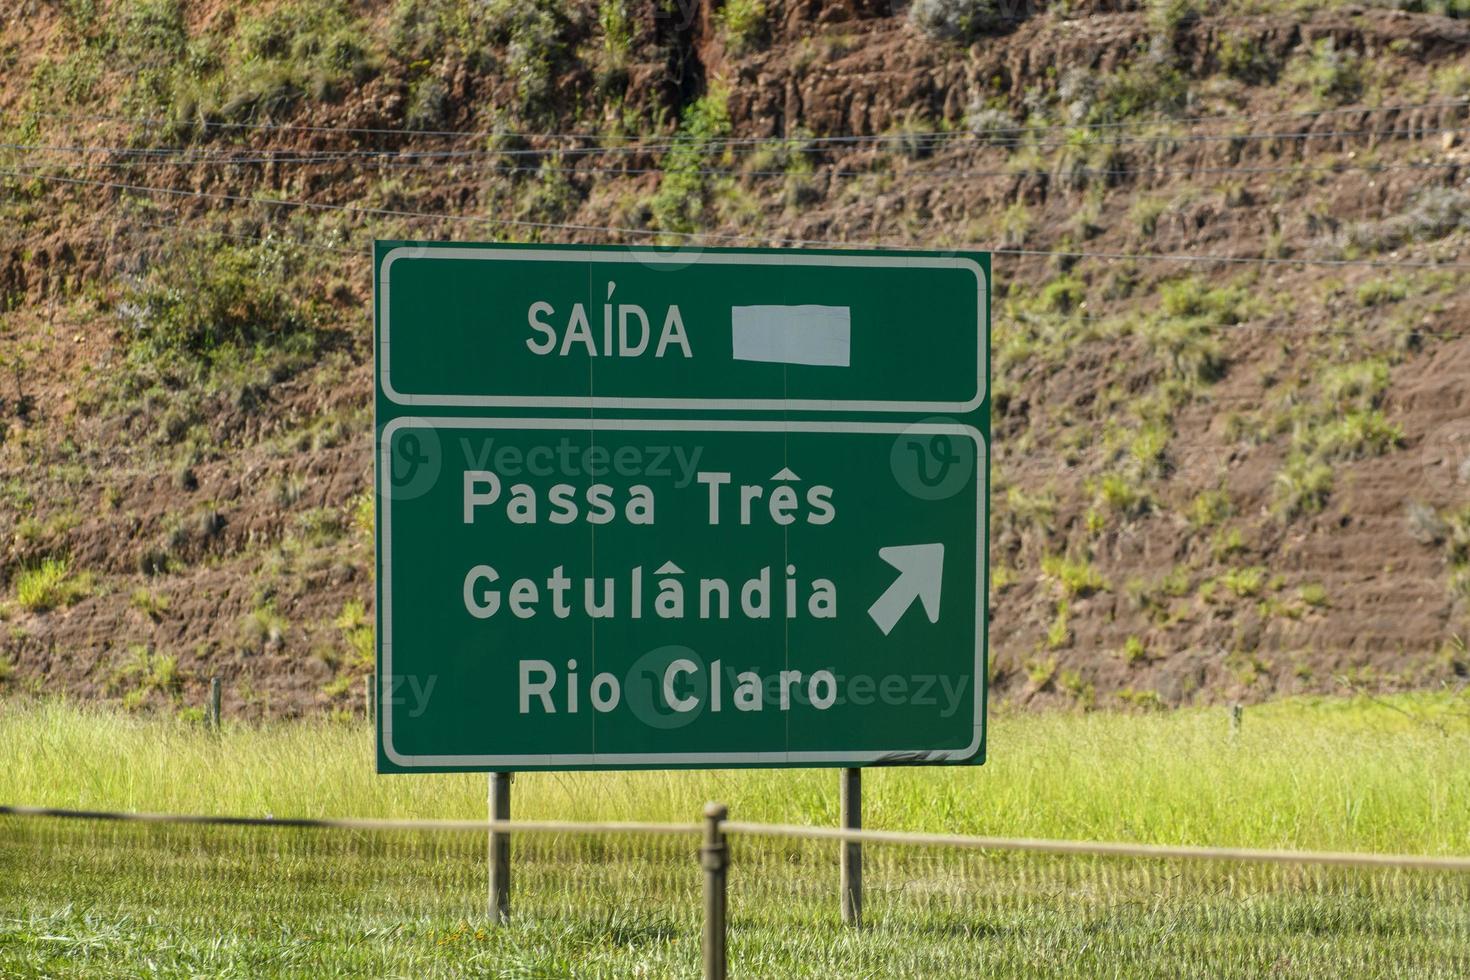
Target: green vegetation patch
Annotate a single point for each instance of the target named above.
(1456, 534)
(1344, 422)
(212, 293)
(142, 672)
(1330, 74)
(537, 36)
(744, 23)
(302, 49)
(683, 193)
(424, 31)
(1184, 334)
(958, 20)
(1122, 494)
(1074, 577)
(51, 585)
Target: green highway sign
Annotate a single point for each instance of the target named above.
(641, 508)
(641, 329)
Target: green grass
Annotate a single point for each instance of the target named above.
(1355, 435)
(50, 585)
(151, 604)
(1302, 486)
(1062, 295)
(1191, 297)
(743, 22)
(1303, 773)
(1312, 594)
(213, 293)
(1073, 576)
(1330, 74)
(683, 191)
(1122, 494)
(1244, 582)
(87, 900)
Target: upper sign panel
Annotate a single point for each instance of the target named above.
(503, 326)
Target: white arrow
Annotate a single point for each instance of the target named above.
(920, 572)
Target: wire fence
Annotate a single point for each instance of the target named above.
(221, 895)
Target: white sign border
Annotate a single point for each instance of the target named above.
(630, 759)
(383, 283)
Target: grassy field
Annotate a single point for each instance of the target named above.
(84, 900)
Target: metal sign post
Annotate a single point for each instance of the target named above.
(499, 901)
(852, 852)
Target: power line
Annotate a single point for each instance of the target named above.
(238, 236)
(918, 141)
(1201, 121)
(1067, 320)
(1193, 121)
(1232, 259)
(1243, 326)
(694, 237)
(389, 159)
(320, 206)
(285, 154)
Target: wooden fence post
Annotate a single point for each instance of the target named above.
(714, 856)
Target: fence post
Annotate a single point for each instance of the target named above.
(214, 698)
(852, 851)
(715, 857)
(499, 850)
(1237, 713)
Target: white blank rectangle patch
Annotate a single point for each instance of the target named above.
(793, 334)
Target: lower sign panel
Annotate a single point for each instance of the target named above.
(617, 594)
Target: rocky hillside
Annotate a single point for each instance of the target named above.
(1216, 478)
